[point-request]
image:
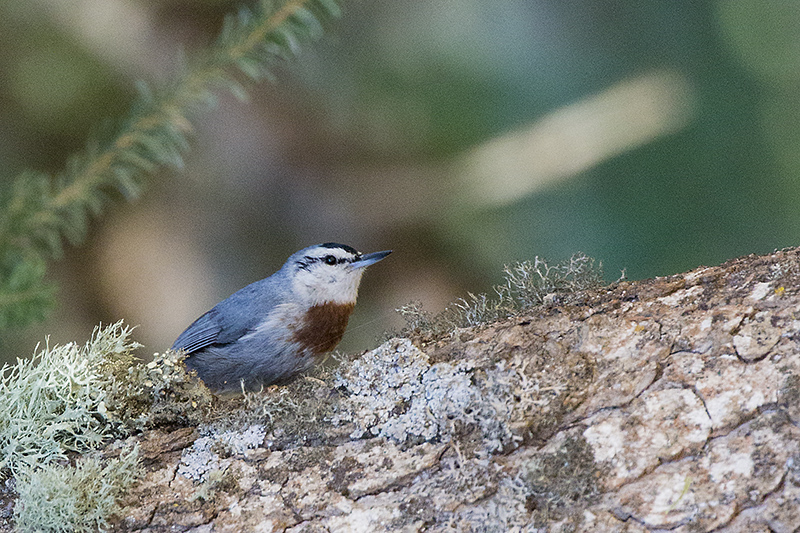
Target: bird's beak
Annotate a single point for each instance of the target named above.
(370, 259)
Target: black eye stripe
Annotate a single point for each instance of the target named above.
(327, 259)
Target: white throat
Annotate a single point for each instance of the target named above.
(334, 285)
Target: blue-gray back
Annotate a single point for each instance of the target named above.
(236, 315)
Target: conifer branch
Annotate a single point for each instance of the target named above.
(40, 211)
(261, 31)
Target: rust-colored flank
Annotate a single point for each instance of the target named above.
(322, 327)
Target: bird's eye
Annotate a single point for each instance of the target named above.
(330, 260)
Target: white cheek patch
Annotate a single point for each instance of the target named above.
(316, 286)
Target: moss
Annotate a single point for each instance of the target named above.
(159, 393)
(63, 498)
(293, 415)
(218, 480)
(563, 482)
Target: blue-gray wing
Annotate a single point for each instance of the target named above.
(230, 319)
(203, 332)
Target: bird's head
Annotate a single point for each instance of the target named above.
(329, 273)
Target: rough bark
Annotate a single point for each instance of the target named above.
(664, 404)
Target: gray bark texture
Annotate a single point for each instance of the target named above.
(665, 404)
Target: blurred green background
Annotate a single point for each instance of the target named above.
(465, 135)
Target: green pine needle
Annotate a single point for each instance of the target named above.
(39, 211)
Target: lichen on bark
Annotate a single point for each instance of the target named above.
(669, 403)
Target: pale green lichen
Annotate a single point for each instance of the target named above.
(529, 283)
(526, 285)
(485, 406)
(394, 392)
(75, 398)
(63, 498)
(56, 401)
(505, 510)
(209, 452)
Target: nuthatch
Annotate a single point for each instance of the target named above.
(274, 328)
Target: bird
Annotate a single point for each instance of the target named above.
(277, 327)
